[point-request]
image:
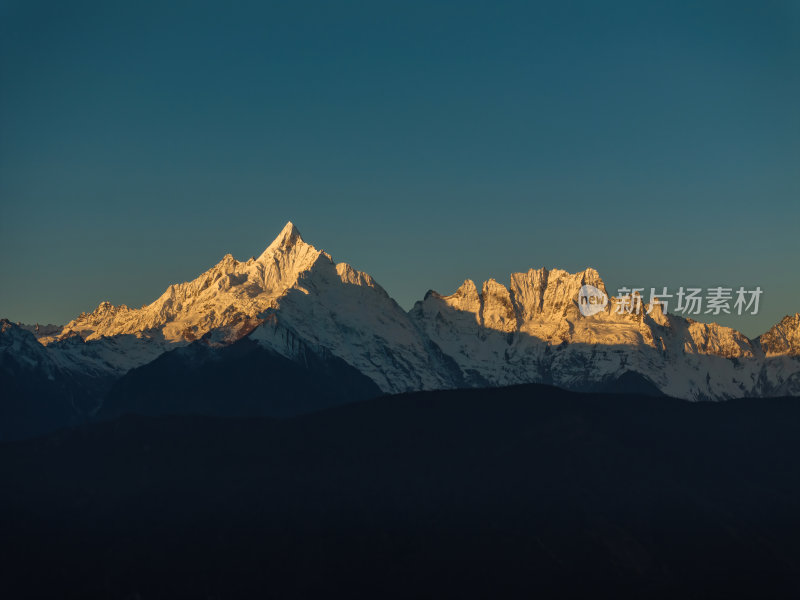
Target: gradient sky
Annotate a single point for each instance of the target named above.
(421, 142)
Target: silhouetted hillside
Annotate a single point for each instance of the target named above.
(242, 379)
(527, 491)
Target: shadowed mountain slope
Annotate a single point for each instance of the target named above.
(528, 491)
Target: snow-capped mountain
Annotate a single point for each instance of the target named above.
(783, 339)
(534, 331)
(295, 301)
(292, 291)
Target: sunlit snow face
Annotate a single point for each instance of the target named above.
(591, 300)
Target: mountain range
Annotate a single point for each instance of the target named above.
(292, 331)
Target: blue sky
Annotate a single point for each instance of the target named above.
(422, 142)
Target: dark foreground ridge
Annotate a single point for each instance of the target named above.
(527, 491)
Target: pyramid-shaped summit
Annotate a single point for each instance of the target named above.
(295, 296)
(228, 292)
(287, 238)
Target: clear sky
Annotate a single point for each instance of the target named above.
(421, 142)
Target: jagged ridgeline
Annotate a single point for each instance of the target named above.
(314, 332)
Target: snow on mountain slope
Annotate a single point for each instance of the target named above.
(228, 294)
(291, 286)
(44, 333)
(296, 299)
(21, 346)
(69, 352)
(533, 331)
(337, 308)
(44, 388)
(783, 338)
(526, 333)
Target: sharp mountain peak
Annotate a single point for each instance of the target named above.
(491, 334)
